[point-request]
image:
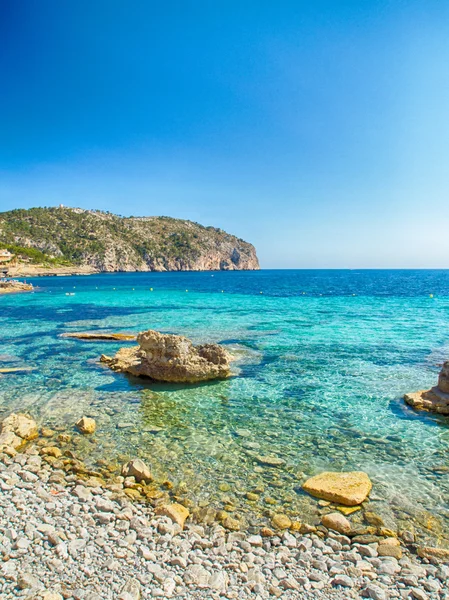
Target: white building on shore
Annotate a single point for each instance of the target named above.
(5, 256)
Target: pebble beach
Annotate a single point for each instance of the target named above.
(62, 536)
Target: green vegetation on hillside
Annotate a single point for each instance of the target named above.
(32, 255)
(110, 242)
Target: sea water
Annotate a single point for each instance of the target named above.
(323, 361)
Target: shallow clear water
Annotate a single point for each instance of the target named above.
(324, 359)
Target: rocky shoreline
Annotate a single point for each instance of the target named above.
(31, 270)
(70, 532)
(11, 286)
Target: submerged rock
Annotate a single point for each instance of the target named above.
(270, 461)
(434, 400)
(11, 370)
(281, 521)
(171, 358)
(86, 425)
(349, 489)
(93, 336)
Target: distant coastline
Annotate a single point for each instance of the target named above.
(65, 241)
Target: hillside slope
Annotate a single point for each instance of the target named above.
(107, 242)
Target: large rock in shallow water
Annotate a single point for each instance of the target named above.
(349, 489)
(171, 358)
(434, 400)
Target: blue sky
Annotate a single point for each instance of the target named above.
(319, 130)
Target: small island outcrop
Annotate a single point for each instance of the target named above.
(171, 358)
(8, 286)
(434, 400)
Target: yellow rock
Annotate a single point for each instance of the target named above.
(153, 494)
(133, 494)
(46, 432)
(373, 519)
(439, 554)
(86, 425)
(231, 524)
(390, 547)
(348, 510)
(387, 532)
(296, 526)
(16, 369)
(349, 489)
(51, 451)
(251, 496)
(281, 521)
(269, 500)
(221, 515)
(391, 541)
(176, 512)
(266, 532)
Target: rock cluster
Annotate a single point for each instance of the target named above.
(171, 358)
(434, 400)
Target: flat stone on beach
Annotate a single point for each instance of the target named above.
(349, 489)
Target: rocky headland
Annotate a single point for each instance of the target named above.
(72, 240)
(171, 358)
(434, 400)
(67, 531)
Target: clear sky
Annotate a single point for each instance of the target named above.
(318, 130)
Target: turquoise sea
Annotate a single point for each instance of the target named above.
(324, 358)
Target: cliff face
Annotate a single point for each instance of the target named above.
(107, 242)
